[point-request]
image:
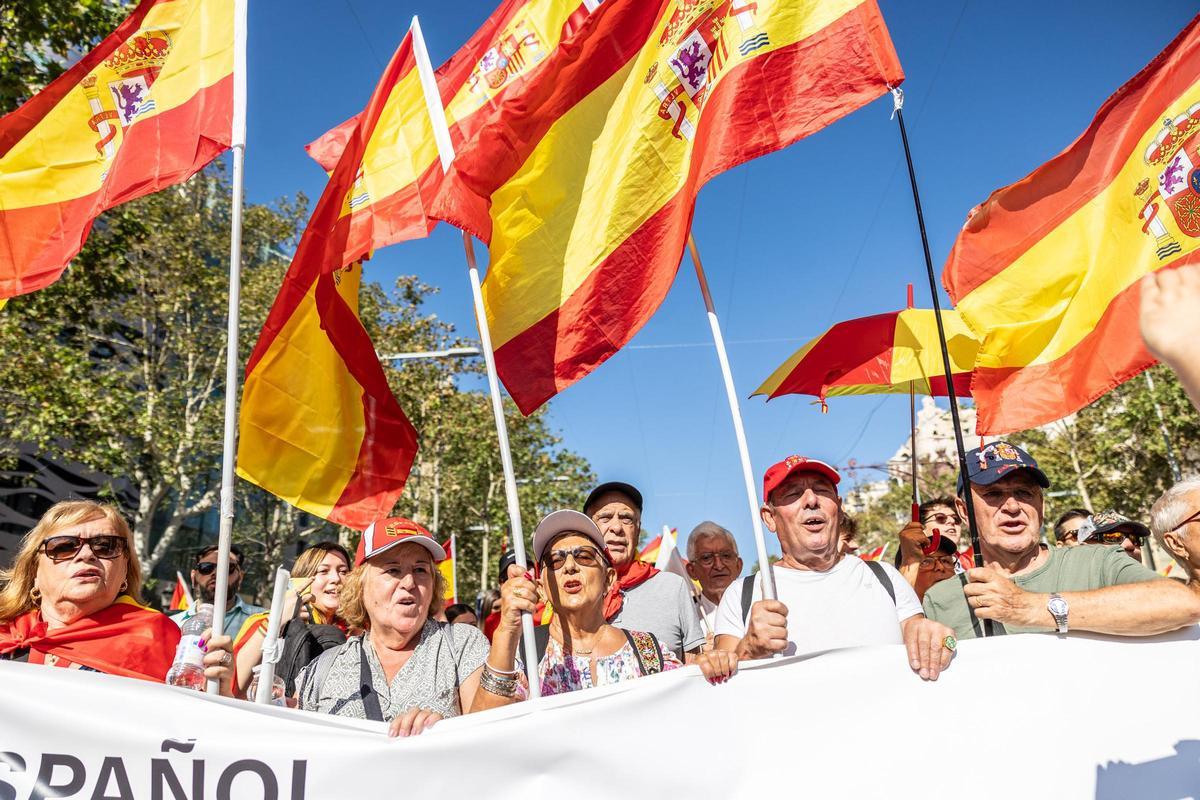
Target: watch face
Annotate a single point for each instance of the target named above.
(1057, 606)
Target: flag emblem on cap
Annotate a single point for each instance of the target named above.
(400, 528)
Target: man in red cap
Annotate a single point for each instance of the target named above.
(826, 599)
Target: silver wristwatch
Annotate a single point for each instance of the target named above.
(1058, 608)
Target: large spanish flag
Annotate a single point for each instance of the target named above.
(1046, 271)
(397, 184)
(584, 185)
(320, 427)
(149, 107)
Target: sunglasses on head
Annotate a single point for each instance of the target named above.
(1114, 537)
(209, 567)
(62, 548)
(585, 556)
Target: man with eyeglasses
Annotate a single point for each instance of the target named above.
(643, 599)
(1072, 527)
(714, 563)
(1175, 523)
(1025, 587)
(1111, 528)
(204, 589)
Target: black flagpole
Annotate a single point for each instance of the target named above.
(898, 97)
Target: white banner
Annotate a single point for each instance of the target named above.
(1015, 716)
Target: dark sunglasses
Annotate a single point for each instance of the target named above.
(585, 556)
(944, 519)
(62, 548)
(209, 567)
(1115, 537)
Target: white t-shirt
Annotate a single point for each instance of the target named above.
(844, 607)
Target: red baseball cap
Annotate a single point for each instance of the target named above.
(387, 533)
(778, 473)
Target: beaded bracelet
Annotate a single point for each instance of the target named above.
(497, 684)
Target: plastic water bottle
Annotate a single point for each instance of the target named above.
(188, 669)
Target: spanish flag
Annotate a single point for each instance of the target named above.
(1046, 270)
(449, 570)
(320, 427)
(148, 108)
(181, 598)
(396, 184)
(584, 186)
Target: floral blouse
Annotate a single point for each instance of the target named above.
(559, 673)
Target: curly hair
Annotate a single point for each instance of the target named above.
(352, 609)
(16, 596)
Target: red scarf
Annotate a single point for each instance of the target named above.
(123, 639)
(630, 575)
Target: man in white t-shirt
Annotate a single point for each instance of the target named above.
(826, 599)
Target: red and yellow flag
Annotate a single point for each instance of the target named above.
(584, 188)
(320, 427)
(448, 568)
(396, 184)
(881, 354)
(1046, 270)
(179, 596)
(148, 108)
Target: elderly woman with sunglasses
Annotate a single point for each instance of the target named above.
(73, 599)
(575, 574)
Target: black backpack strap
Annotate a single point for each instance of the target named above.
(747, 597)
(647, 650)
(366, 689)
(883, 577)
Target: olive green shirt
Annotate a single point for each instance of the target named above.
(1068, 569)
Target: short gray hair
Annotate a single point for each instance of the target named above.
(703, 531)
(1170, 510)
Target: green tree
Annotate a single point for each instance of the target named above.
(39, 38)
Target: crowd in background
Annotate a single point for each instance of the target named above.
(368, 634)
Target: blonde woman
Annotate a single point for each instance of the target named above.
(73, 599)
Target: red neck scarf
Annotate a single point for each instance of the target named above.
(123, 639)
(630, 575)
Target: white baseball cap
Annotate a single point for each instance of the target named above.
(558, 523)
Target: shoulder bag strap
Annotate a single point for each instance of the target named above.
(646, 649)
(366, 689)
(747, 597)
(882, 576)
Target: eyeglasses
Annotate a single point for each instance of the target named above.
(708, 559)
(1113, 537)
(584, 555)
(1192, 518)
(209, 567)
(944, 519)
(944, 561)
(63, 548)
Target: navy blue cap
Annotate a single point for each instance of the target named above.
(990, 463)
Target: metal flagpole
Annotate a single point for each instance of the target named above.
(760, 542)
(229, 444)
(912, 427)
(898, 99)
(441, 134)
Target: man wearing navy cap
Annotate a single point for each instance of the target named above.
(643, 599)
(1026, 587)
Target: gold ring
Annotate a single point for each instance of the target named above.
(950, 643)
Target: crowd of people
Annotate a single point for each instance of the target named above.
(369, 636)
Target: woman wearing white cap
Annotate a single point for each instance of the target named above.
(574, 576)
(407, 669)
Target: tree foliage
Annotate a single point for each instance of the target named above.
(38, 39)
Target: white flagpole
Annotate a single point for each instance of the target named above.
(271, 650)
(229, 445)
(760, 542)
(441, 134)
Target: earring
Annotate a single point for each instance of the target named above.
(35, 595)
(124, 586)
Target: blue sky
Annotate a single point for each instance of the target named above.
(792, 242)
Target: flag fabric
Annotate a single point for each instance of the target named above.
(397, 183)
(179, 596)
(320, 427)
(448, 568)
(147, 108)
(1046, 271)
(583, 187)
(872, 555)
(886, 353)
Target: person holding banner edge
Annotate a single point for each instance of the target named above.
(1027, 588)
